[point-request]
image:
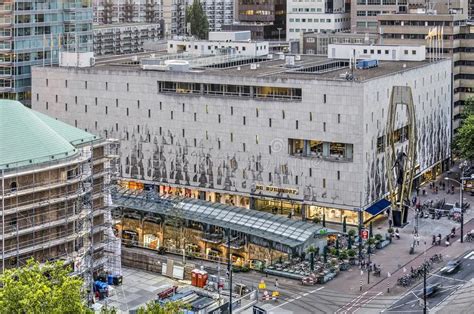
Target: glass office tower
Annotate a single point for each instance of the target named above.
(33, 33)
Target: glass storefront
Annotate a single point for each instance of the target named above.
(280, 207)
(151, 241)
(333, 215)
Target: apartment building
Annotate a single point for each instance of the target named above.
(54, 192)
(292, 135)
(412, 28)
(315, 16)
(32, 33)
(124, 38)
(126, 11)
(219, 13)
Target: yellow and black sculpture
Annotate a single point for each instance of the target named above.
(401, 160)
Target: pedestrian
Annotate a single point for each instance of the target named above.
(417, 191)
(390, 223)
(436, 190)
(447, 240)
(424, 192)
(397, 235)
(434, 240)
(417, 239)
(439, 238)
(276, 283)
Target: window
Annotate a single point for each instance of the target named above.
(171, 115)
(231, 110)
(116, 102)
(244, 122)
(161, 107)
(324, 98)
(405, 52)
(47, 106)
(138, 104)
(338, 175)
(297, 124)
(128, 112)
(256, 112)
(85, 84)
(324, 183)
(338, 118)
(310, 172)
(85, 108)
(13, 186)
(195, 117)
(219, 118)
(270, 122)
(106, 85)
(283, 114)
(56, 98)
(106, 109)
(270, 176)
(47, 82)
(243, 147)
(184, 133)
(231, 137)
(65, 107)
(183, 107)
(128, 87)
(96, 101)
(65, 83)
(149, 113)
(324, 126)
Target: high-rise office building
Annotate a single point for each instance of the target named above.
(32, 33)
(317, 16)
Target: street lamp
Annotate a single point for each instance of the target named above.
(279, 30)
(461, 188)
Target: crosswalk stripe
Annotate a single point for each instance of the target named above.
(470, 255)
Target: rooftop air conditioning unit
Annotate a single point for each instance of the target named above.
(253, 66)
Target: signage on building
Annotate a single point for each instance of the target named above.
(276, 189)
(364, 234)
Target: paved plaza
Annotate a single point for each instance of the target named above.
(138, 288)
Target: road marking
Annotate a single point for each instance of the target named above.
(470, 255)
(367, 301)
(294, 299)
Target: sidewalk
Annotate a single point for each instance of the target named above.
(379, 288)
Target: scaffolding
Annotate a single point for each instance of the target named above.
(61, 210)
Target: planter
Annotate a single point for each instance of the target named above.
(344, 266)
(382, 244)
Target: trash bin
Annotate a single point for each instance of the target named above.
(110, 279)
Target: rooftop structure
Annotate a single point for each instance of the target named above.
(377, 52)
(54, 187)
(317, 43)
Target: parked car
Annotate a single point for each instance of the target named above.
(451, 267)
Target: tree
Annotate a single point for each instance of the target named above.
(464, 142)
(197, 19)
(41, 288)
(312, 251)
(153, 307)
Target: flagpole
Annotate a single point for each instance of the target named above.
(52, 44)
(44, 49)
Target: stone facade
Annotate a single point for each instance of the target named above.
(241, 145)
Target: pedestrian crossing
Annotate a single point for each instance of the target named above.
(470, 255)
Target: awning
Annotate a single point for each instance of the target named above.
(377, 207)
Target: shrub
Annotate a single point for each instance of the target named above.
(378, 237)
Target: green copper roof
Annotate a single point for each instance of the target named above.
(28, 137)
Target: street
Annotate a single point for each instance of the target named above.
(412, 301)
